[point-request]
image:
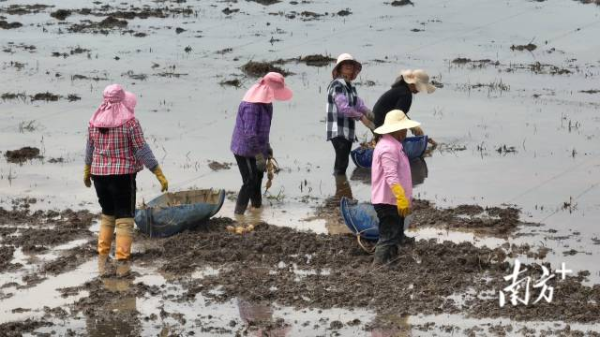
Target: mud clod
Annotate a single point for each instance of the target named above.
(528, 47)
(317, 60)
(112, 22)
(216, 166)
(399, 3)
(344, 12)
(61, 14)
(259, 69)
(45, 96)
(233, 83)
(265, 2)
(229, 11)
(6, 25)
(22, 155)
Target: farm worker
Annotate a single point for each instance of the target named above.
(400, 96)
(250, 141)
(115, 152)
(391, 185)
(344, 108)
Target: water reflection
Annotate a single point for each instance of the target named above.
(117, 315)
(418, 171)
(252, 216)
(259, 318)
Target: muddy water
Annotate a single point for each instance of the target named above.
(530, 136)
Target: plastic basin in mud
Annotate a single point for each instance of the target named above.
(414, 147)
(172, 213)
(362, 220)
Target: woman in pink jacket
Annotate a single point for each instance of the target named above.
(391, 185)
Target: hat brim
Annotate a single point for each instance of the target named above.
(425, 87)
(405, 124)
(335, 72)
(283, 94)
(130, 100)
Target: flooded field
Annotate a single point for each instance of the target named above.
(516, 174)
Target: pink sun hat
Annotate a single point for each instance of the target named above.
(270, 87)
(117, 108)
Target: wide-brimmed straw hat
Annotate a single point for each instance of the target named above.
(345, 57)
(270, 87)
(419, 78)
(395, 120)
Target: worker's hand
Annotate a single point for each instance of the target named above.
(164, 184)
(401, 201)
(370, 115)
(417, 131)
(367, 123)
(432, 142)
(87, 176)
(261, 162)
(270, 152)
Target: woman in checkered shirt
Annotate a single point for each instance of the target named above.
(115, 153)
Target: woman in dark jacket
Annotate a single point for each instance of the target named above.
(400, 96)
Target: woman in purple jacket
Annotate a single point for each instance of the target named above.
(250, 140)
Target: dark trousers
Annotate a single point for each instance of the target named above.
(342, 148)
(391, 232)
(252, 182)
(116, 194)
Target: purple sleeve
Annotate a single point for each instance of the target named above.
(341, 101)
(89, 150)
(360, 106)
(249, 115)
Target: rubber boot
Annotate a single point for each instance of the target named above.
(342, 188)
(240, 209)
(382, 255)
(105, 236)
(124, 238)
(102, 261)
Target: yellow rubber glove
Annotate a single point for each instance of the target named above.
(87, 176)
(401, 201)
(164, 184)
(417, 131)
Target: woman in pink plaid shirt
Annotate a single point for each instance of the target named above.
(115, 153)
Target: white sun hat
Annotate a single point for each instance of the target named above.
(395, 120)
(349, 58)
(419, 78)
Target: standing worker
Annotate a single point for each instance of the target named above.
(344, 108)
(250, 141)
(400, 96)
(115, 152)
(391, 184)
